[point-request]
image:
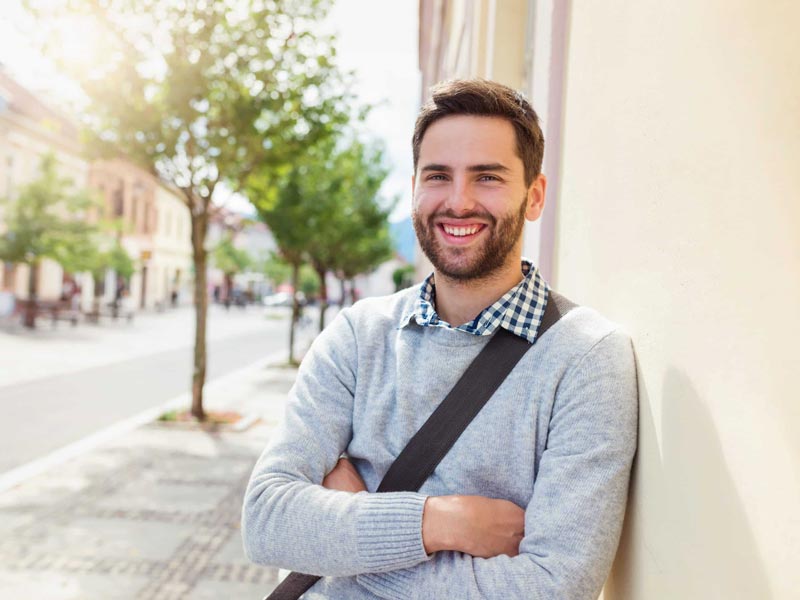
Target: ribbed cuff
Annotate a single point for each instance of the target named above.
(389, 531)
(392, 585)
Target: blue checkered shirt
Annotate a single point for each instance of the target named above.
(519, 311)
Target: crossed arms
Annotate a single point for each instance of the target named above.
(476, 525)
(304, 510)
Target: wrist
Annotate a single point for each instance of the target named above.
(440, 529)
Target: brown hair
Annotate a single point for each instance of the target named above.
(483, 98)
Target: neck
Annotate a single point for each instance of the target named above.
(459, 302)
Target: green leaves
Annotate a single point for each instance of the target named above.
(325, 208)
(202, 91)
(228, 258)
(48, 220)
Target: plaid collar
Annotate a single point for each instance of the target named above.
(519, 311)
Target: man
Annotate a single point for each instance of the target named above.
(529, 501)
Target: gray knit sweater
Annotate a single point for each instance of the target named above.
(557, 438)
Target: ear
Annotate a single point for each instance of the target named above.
(536, 193)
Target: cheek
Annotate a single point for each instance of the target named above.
(424, 202)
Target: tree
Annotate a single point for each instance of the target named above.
(328, 211)
(202, 93)
(115, 258)
(278, 204)
(47, 220)
(403, 277)
(310, 283)
(276, 270)
(230, 260)
(343, 196)
(363, 253)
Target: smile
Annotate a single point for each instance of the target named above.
(461, 231)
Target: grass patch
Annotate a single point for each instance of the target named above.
(227, 417)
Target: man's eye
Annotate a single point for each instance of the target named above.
(488, 178)
(436, 177)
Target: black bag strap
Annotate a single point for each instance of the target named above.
(426, 449)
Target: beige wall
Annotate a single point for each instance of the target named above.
(171, 262)
(678, 217)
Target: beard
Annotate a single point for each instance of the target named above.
(471, 263)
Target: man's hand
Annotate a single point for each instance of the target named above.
(344, 478)
(481, 527)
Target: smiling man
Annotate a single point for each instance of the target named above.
(529, 501)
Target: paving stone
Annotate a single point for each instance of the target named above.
(154, 495)
(14, 519)
(113, 538)
(232, 552)
(220, 469)
(219, 590)
(43, 490)
(48, 585)
(153, 515)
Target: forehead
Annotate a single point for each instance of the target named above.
(470, 140)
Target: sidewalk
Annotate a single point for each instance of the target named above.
(153, 514)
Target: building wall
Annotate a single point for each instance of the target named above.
(170, 266)
(678, 218)
(24, 140)
(153, 221)
(673, 137)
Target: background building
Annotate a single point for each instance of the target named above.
(673, 140)
(29, 129)
(152, 220)
(154, 225)
(171, 265)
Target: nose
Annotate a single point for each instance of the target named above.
(460, 198)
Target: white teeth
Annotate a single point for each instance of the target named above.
(461, 231)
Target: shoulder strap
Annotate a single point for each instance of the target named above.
(446, 424)
(557, 306)
(426, 449)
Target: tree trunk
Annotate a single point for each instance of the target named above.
(353, 298)
(199, 229)
(30, 309)
(228, 290)
(295, 312)
(94, 316)
(343, 300)
(323, 297)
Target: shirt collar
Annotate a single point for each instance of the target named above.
(519, 310)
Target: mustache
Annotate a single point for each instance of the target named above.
(451, 214)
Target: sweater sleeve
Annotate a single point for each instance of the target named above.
(288, 519)
(574, 518)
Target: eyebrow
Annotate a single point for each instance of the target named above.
(472, 168)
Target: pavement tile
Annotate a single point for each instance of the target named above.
(232, 553)
(47, 585)
(153, 515)
(112, 538)
(147, 494)
(13, 519)
(217, 590)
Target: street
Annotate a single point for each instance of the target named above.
(58, 386)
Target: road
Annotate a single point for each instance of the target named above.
(43, 414)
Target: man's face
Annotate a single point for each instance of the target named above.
(470, 198)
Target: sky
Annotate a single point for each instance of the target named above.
(377, 39)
